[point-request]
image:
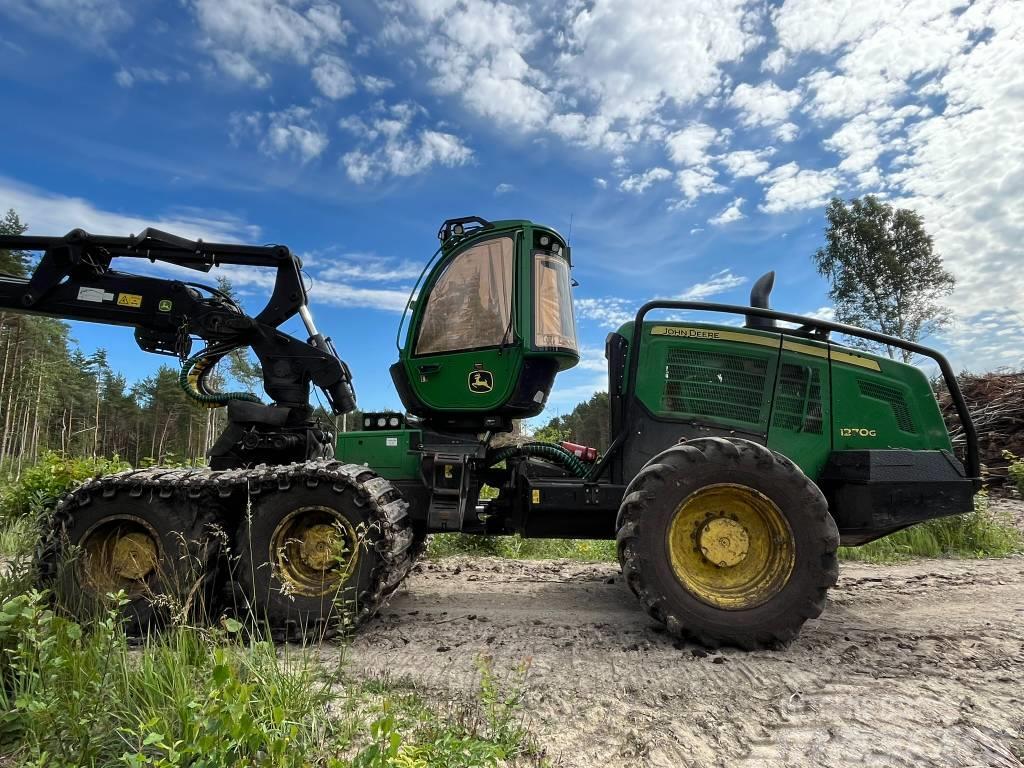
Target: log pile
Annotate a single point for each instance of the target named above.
(996, 403)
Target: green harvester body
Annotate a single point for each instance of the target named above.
(490, 325)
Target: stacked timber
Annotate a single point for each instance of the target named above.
(996, 403)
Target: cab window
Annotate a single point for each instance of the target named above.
(470, 305)
(554, 326)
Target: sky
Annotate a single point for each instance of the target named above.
(685, 146)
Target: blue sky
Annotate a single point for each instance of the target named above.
(691, 143)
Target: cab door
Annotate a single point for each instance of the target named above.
(464, 357)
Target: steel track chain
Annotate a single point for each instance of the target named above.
(222, 497)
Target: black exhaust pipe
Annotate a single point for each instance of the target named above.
(759, 296)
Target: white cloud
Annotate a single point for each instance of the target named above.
(694, 182)
(633, 59)
(641, 181)
(788, 188)
(374, 84)
(839, 95)
(609, 312)
(720, 282)
(504, 189)
(689, 146)
(126, 77)
(600, 183)
(332, 77)
(592, 358)
(47, 213)
(861, 141)
(747, 162)
(369, 268)
(476, 51)
(349, 296)
(291, 132)
(391, 146)
(764, 104)
(594, 74)
(963, 170)
(728, 214)
(89, 23)
(239, 33)
(775, 61)
(238, 67)
(787, 132)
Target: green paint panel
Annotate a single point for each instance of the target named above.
(801, 424)
(890, 408)
(810, 397)
(393, 453)
(459, 380)
(699, 371)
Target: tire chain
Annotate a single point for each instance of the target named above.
(206, 489)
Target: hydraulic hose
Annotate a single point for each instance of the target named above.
(194, 371)
(549, 451)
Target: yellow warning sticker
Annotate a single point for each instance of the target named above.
(535, 496)
(129, 300)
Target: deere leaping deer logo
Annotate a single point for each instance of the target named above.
(481, 382)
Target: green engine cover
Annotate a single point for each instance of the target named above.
(806, 397)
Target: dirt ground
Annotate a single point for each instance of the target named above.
(917, 664)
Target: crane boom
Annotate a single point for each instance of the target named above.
(74, 280)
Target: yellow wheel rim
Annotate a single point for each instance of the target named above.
(119, 553)
(315, 550)
(730, 546)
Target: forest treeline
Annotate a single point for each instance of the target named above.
(55, 397)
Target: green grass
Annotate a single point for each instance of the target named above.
(983, 533)
(81, 694)
(17, 536)
(517, 548)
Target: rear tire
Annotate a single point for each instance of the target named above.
(136, 532)
(727, 543)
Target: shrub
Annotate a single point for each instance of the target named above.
(41, 485)
(1016, 470)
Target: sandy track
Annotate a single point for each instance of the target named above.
(910, 665)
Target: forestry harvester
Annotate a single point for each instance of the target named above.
(741, 455)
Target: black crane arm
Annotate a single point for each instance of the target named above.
(74, 281)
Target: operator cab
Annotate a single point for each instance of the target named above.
(490, 328)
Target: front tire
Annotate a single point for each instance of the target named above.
(727, 543)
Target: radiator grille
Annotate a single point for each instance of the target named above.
(798, 399)
(724, 386)
(895, 400)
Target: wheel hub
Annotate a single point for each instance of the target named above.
(724, 542)
(119, 552)
(730, 546)
(320, 546)
(134, 556)
(315, 550)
